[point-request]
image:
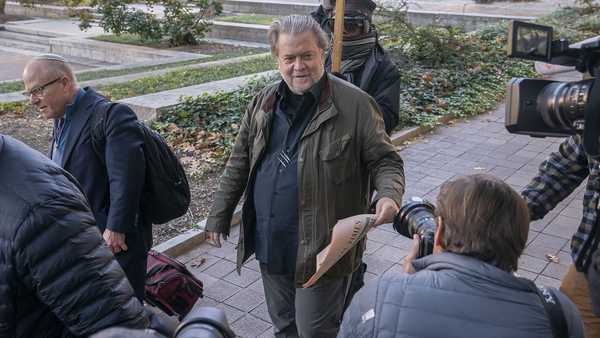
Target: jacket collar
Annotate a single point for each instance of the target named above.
(82, 112)
(473, 267)
(325, 111)
(324, 97)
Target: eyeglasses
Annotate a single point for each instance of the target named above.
(39, 91)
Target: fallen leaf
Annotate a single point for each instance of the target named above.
(552, 258)
(198, 262)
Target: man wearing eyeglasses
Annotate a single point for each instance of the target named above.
(112, 184)
(364, 62)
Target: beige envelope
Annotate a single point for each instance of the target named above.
(346, 233)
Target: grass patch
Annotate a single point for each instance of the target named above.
(13, 86)
(185, 77)
(130, 39)
(257, 19)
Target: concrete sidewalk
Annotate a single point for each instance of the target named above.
(477, 145)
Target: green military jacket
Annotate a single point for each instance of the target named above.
(343, 154)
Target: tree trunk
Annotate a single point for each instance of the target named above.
(2, 4)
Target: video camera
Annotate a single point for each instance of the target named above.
(545, 108)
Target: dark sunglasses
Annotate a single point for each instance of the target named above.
(351, 23)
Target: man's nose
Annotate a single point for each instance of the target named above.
(34, 100)
(298, 63)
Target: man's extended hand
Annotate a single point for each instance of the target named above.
(115, 241)
(213, 238)
(385, 210)
(414, 253)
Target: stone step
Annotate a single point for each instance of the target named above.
(27, 46)
(40, 40)
(238, 31)
(23, 27)
(83, 48)
(41, 10)
(268, 7)
(148, 107)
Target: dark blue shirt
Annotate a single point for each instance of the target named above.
(276, 185)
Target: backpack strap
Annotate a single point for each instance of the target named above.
(554, 311)
(98, 127)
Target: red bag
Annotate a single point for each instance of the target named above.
(170, 286)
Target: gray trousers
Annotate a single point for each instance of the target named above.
(307, 313)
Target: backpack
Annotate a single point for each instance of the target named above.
(170, 286)
(166, 193)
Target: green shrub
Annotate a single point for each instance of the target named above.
(184, 22)
(208, 123)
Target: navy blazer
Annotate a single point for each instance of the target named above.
(113, 190)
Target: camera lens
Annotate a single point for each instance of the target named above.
(417, 217)
(562, 104)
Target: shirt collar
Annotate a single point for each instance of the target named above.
(313, 92)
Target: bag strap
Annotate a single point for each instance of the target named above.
(554, 311)
(98, 127)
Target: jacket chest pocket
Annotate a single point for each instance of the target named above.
(337, 160)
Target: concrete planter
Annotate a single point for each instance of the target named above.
(42, 11)
(238, 31)
(108, 51)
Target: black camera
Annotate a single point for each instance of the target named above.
(544, 108)
(204, 322)
(200, 322)
(417, 217)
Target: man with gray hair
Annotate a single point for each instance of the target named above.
(308, 151)
(112, 184)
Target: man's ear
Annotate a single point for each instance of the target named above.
(437, 239)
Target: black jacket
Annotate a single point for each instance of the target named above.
(57, 277)
(379, 77)
(114, 189)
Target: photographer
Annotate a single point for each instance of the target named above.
(466, 288)
(558, 176)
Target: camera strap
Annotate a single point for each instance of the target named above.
(592, 122)
(554, 310)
